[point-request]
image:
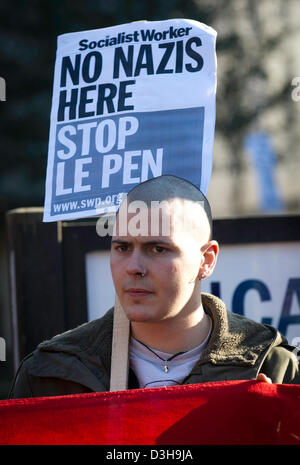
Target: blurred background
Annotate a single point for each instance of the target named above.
(257, 139)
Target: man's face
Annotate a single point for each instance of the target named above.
(170, 264)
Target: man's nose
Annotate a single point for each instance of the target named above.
(136, 264)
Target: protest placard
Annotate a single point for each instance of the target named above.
(130, 102)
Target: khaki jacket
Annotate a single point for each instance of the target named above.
(78, 360)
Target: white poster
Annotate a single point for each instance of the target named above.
(259, 281)
(262, 282)
(130, 102)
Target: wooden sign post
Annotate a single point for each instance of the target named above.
(120, 352)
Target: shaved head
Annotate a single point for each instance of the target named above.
(179, 193)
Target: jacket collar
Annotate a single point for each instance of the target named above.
(234, 339)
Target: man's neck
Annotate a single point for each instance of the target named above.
(173, 336)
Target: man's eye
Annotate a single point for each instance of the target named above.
(121, 248)
(158, 249)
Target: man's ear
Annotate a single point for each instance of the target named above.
(210, 253)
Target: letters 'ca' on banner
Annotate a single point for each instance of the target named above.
(130, 102)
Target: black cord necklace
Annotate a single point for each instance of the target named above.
(166, 366)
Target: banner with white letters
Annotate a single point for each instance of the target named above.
(130, 102)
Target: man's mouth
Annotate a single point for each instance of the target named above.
(137, 292)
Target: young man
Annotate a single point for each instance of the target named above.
(162, 248)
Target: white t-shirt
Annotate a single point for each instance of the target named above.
(150, 369)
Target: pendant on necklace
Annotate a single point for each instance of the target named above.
(166, 368)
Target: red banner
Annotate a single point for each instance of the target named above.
(236, 412)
